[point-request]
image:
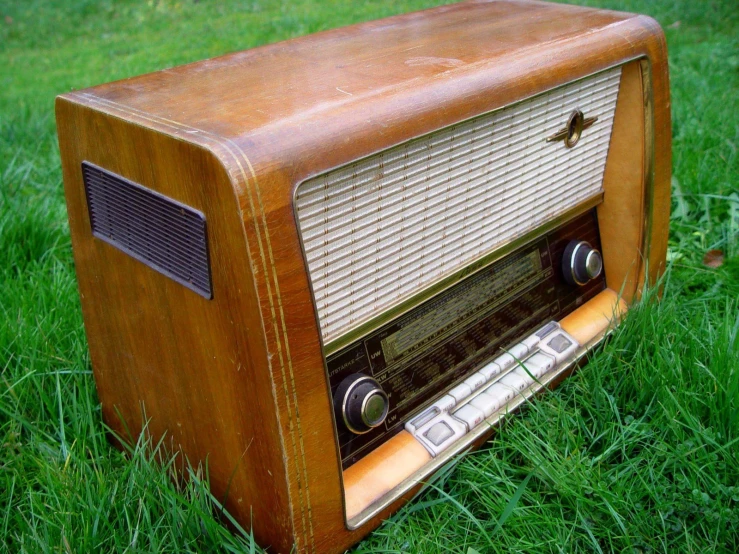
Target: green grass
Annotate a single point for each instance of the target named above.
(637, 452)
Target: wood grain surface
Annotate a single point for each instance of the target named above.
(591, 320)
(239, 381)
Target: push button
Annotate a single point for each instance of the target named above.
(438, 433)
(559, 343)
(422, 419)
(443, 404)
(539, 364)
(530, 342)
(485, 403)
(516, 381)
(490, 370)
(504, 361)
(518, 351)
(475, 381)
(460, 392)
(470, 415)
(548, 329)
(500, 394)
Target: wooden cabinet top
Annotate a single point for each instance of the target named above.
(381, 70)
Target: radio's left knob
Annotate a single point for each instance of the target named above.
(360, 403)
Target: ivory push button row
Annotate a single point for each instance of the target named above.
(454, 414)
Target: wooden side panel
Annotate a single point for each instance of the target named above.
(634, 215)
(191, 370)
(621, 215)
(659, 164)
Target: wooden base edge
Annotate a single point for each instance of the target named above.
(590, 321)
(381, 471)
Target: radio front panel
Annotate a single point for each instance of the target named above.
(382, 228)
(421, 354)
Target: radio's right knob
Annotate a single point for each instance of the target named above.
(581, 263)
(361, 403)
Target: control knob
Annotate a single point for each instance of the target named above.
(581, 263)
(360, 403)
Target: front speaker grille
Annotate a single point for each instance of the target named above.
(158, 231)
(381, 229)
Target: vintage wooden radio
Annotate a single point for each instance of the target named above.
(328, 265)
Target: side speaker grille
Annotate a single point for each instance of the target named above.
(383, 228)
(158, 231)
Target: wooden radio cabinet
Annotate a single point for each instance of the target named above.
(253, 230)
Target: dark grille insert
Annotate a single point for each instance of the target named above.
(158, 231)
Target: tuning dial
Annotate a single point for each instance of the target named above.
(581, 263)
(360, 403)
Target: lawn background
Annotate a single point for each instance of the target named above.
(638, 452)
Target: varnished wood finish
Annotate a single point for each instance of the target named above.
(636, 193)
(193, 370)
(240, 380)
(383, 469)
(621, 216)
(591, 320)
